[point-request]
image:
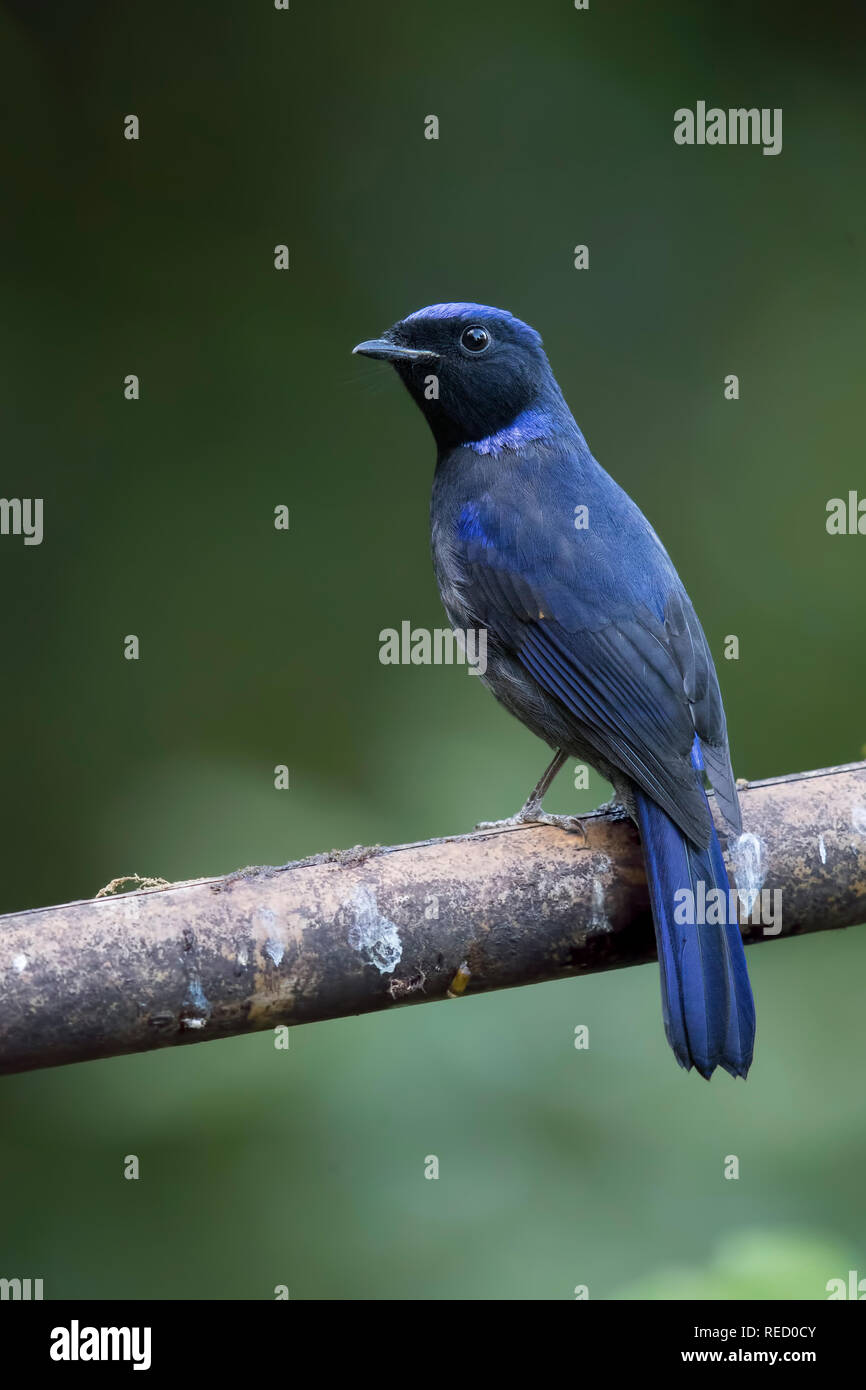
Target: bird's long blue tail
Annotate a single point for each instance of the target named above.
(709, 1013)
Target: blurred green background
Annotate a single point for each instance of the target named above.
(260, 647)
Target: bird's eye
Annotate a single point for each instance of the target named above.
(475, 339)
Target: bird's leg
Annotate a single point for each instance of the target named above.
(542, 786)
(532, 814)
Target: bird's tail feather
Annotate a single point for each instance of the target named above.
(709, 1013)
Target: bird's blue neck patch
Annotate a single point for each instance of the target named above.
(531, 424)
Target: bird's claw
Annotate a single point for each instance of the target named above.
(510, 824)
(533, 815)
(613, 809)
(570, 823)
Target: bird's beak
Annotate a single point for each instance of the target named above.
(392, 352)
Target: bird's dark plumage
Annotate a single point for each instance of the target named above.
(592, 640)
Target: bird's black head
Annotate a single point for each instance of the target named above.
(472, 370)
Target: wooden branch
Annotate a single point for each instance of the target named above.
(371, 929)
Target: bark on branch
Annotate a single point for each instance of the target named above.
(374, 929)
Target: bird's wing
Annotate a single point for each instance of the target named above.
(617, 644)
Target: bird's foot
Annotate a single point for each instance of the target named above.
(510, 824)
(572, 824)
(613, 809)
(532, 814)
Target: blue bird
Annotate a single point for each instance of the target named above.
(592, 641)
